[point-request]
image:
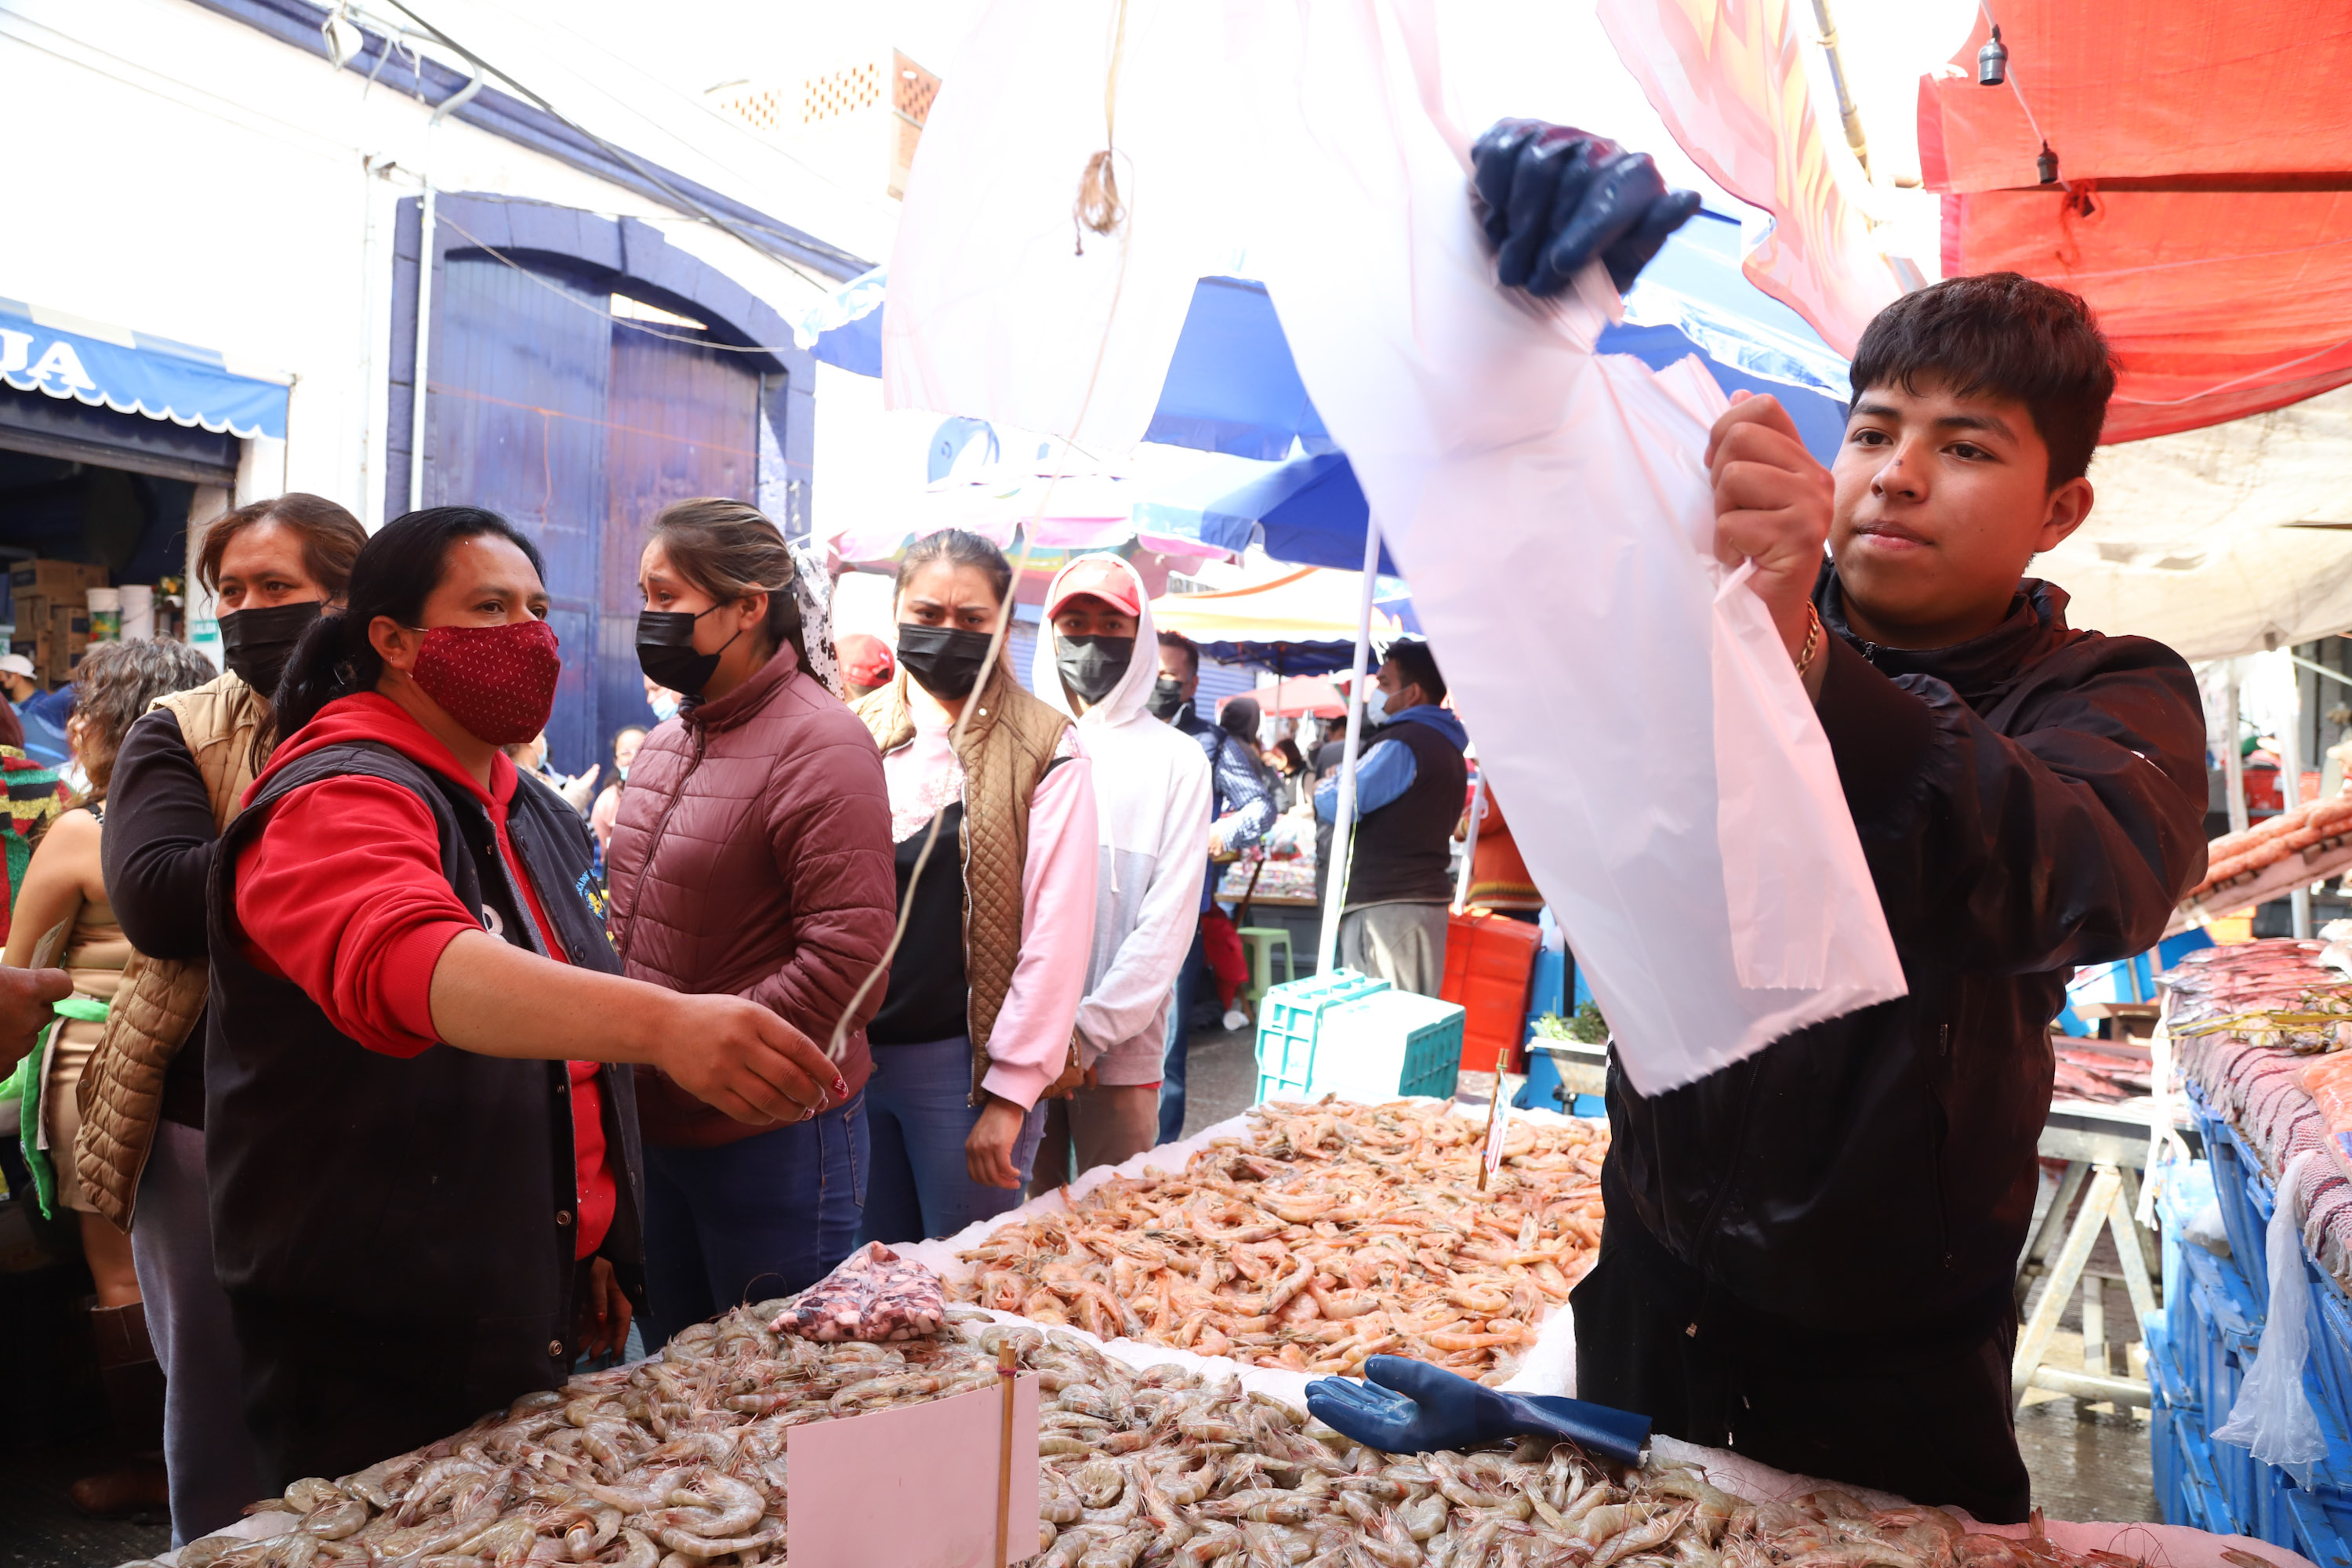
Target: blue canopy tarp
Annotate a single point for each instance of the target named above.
(134, 373)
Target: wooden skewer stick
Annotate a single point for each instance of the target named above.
(1006, 1369)
(1494, 1108)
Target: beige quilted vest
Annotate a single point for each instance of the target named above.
(121, 1090)
(1007, 746)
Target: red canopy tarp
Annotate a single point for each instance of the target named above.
(2206, 212)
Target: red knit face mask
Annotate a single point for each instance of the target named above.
(498, 681)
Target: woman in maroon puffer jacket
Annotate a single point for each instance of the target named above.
(751, 856)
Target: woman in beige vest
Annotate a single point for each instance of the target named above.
(272, 566)
(981, 1008)
(65, 885)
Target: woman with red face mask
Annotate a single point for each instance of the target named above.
(425, 1189)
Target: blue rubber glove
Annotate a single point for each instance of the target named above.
(1551, 197)
(1431, 1408)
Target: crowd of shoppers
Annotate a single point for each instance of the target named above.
(394, 1071)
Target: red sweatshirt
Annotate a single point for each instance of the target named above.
(342, 893)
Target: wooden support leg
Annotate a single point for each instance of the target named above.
(2150, 1259)
(2094, 1324)
(2046, 1235)
(2129, 1245)
(2034, 1344)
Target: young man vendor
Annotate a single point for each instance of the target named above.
(1808, 1255)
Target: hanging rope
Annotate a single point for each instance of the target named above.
(1098, 206)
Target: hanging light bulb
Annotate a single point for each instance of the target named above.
(1992, 61)
(2046, 165)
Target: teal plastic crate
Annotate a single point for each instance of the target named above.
(1288, 1015)
(1376, 1045)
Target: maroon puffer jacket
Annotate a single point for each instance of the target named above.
(753, 856)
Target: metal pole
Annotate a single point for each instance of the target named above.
(1470, 841)
(2291, 790)
(424, 342)
(2234, 757)
(1846, 109)
(1343, 826)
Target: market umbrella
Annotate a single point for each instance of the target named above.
(1292, 697)
(1305, 605)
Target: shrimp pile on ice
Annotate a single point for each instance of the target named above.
(678, 1462)
(1333, 1233)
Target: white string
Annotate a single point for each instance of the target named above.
(2009, 73)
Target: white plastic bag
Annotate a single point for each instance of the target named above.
(1667, 782)
(2272, 1418)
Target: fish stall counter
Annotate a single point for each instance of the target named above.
(1153, 1452)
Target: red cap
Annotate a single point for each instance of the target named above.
(1106, 577)
(864, 660)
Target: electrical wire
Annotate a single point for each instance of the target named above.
(565, 294)
(2008, 74)
(766, 243)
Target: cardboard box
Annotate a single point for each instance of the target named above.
(67, 582)
(69, 639)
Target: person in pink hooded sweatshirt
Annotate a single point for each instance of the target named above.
(1152, 805)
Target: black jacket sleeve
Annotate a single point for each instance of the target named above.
(157, 850)
(2064, 835)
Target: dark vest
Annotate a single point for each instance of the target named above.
(437, 1188)
(1403, 850)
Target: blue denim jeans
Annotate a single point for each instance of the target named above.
(1180, 1038)
(762, 1217)
(918, 1104)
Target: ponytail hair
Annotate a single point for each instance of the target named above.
(957, 548)
(395, 572)
(728, 549)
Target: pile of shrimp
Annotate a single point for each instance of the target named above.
(1331, 1233)
(678, 1463)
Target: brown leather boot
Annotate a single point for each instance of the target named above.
(133, 1380)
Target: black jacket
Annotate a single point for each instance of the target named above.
(2028, 801)
(438, 1188)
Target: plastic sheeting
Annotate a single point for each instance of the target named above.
(2194, 540)
(1682, 811)
(1729, 78)
(2207, 218)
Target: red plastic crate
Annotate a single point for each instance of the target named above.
(1489, 962)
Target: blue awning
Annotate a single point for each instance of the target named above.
(134, 373)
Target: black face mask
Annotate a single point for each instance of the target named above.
(1091, 666)
(945, 659)
(666, 650)
(256, 644)
(1167, 699)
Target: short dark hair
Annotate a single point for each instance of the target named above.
(2004, 334)
(1191, 649)
(1417, 664)
(331, 538)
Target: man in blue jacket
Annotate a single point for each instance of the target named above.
(1410, 781)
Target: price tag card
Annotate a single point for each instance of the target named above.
(915, 1485)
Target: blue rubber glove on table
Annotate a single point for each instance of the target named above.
(1406, 1406)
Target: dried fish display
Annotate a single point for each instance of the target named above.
(678, 1462)
(1333, 1232)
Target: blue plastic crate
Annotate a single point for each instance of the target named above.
(1383, 1045)
(2196, 1498)
(2234, 1173)
(2323, 1530)
(2331, 1337)
(1289, 1016)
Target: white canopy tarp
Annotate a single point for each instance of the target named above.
(2193, 539)
(1670, 786)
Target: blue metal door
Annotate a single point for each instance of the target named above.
(516, 424)
(682, 422)
(579, 427)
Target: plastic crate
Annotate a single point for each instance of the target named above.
(2238, 1181)
(2323, 1530)
(2331, 1336)
(1489, 963)
(1372, 1048)
(2172, 1403)
(1289, 1016)
(2196, 1498)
